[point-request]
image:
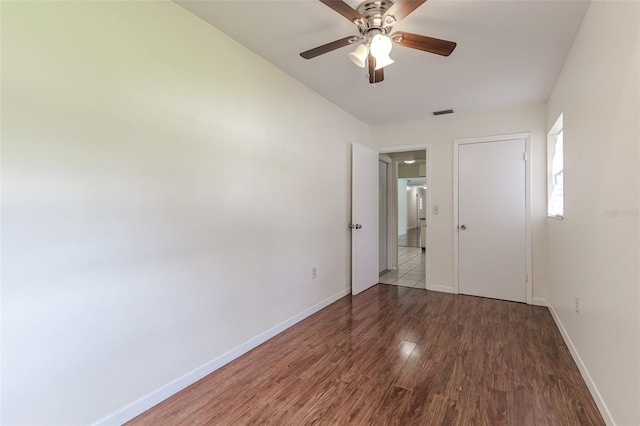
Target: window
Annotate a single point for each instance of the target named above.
(555, 170)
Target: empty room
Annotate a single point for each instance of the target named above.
(200, 215)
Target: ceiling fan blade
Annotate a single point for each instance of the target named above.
(402, 8)
(375, 76)
(427, 44)
(312, 53)
(345, 10)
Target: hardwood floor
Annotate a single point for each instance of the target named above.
(400, 356)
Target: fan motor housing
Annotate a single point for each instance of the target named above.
(373, 11)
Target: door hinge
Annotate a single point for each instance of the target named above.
(526, 278)
(524, 156)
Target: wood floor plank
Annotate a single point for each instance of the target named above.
(397, 356)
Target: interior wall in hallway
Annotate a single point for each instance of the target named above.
(402, 207)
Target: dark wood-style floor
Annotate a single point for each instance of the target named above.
(401, 356)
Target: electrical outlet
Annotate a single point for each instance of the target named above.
(577, 305)
(314, 273)
(436, 209)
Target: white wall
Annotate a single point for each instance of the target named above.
(412, 217)
(149, 215)
(423, 194)
(440, 133)
(402, 207)
(594, 251)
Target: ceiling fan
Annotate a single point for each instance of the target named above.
(374, 19)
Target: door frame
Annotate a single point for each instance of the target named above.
(528, 182)
(388, 162)
(393, 212)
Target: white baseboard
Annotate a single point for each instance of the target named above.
(539, 301)
(441, 288)
(143, 404)
(604, 410)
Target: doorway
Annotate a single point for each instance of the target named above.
(407, 207)
(411, 212)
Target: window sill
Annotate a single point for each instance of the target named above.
(555, 217)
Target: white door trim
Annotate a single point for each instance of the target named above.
(389, 224)
(528, 181)
(427, 256)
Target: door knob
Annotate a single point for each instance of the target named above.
(463, 227)
(358, 226)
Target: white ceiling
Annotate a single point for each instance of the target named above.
(509, 52)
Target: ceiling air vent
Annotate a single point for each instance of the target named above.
(443, 112)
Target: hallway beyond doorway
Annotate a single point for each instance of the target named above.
(410, 239)
(411, 269)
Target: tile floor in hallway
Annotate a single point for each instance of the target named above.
(410, 271)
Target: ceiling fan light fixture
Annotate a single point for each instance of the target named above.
(383, 62)
(359, 55)
(374, 20)
(381, 46)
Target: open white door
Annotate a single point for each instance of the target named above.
(364, 218)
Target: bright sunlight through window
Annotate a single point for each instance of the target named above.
(555, 167)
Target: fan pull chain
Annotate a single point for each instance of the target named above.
(368, 76)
